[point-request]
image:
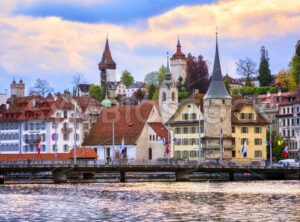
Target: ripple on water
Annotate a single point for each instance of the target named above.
(236, 201)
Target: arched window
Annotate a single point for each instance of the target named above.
(164, 97)
(173, 96)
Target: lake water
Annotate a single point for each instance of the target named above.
(201, 201)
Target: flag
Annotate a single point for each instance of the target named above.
(286, 152)
(175, 140)
(244, 149)
(122, 147)
(163, 140)
(266, 143)
(168, 149)
(38, 145)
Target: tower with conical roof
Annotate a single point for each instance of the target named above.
(168, 96)
(217, 115)
(178, 63)
(107, 67)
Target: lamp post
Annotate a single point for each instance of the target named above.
(199, 142)
(271, 154)
(75, 135)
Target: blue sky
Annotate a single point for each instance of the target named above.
(54, 40)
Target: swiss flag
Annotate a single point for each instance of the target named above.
(168, 148)
(286, 152)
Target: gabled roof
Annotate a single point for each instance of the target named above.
(85, 101)
(128, 121)
(107, 61)
(159, 129)
(217, 88)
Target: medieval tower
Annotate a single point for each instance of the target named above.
(217, 115)
(178, 64)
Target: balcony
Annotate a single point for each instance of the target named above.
(66, 130)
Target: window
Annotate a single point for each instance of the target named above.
(31, 126)
(66, 125)
(164, 97)
(54, 125)
(77, 136)
(257, 130)
(185, 154)
(242, 115)
(193, 130)
(66, 148)
(185, 130)
(244, 130)
(66, 136)
(250, 116)
(173, 96)
(193, 116)
(177, 154)
(257, 141)
(221, 119)
(185, 141)
(150, 154)
(193, 141)
(233, 153)
(85, 126)
(233, 129)
(233, 141)
(150, 137)
(178, 130)
(43, 125)
(193, 153)
(25, 126)
(58, 115)
(185, 116)
(54, 148)
(65, 114)
(257, 153)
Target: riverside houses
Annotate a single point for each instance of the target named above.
(31, 119)
(249, 126)
(289, 126)
(140, 127)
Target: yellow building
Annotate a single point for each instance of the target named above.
(250, 126)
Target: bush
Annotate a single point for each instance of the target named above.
(246, 91)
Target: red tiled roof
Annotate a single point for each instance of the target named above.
(159, 129)
(107, 60)
(178, 54)
(128, 123)
(86, 101)
(82, 153)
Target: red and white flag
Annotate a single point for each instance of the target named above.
(168, 148)
(286, 152)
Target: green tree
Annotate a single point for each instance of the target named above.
(139, 94)
(127, 78)
(97, 92)
(284, 80)
(151, 78)
(277, 145)
(155, 94)
(151, 90)
(227, 85)
(248, 82)
(181, 85)
(264, 76)
(161, 74)
(295, 65)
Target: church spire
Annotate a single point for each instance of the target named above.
(217, 88)
(168, 73)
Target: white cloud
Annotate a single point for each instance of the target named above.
(34, 46)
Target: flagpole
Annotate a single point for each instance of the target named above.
(55, 158)
(75, 136)
(221, 147)
(199, 141)
(271, 154)
(113, 136)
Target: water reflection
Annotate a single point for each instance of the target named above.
(237, 201)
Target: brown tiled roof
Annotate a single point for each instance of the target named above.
(197, 98)
(82, 153)
(107, 61)
(86, 101)
(128, 121)
(159, 129)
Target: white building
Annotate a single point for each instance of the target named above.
(139, 126)
(178, 64)
(289, 127)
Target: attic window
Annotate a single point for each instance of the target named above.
(189, 106)
(130, 124)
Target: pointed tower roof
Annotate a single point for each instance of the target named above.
(107, 61)
(217, 88)
(178, 54)
(168, 73)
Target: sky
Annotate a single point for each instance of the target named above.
(55, 40)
